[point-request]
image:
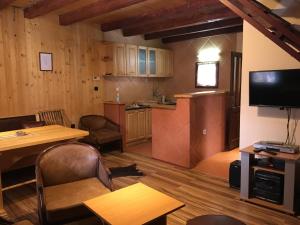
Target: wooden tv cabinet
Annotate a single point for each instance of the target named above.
(290, 182)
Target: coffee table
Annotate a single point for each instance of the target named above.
(135, 205)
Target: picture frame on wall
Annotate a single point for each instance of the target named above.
(46, 61)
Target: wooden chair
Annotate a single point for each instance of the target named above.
(53, 117)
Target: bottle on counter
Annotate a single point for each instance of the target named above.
(117, 95)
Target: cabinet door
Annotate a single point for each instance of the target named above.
(170, 63)
(131, 60)
(160, 56)
(142, 61)
(141, 124)
(131, 126)
(149, 123)
(152, 61)
(119, 59)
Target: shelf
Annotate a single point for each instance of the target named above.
(269, 169)
(268, 205)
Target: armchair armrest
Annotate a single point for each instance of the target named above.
(112, 126)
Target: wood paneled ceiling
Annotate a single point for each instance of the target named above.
(173, 20)
(138, 17)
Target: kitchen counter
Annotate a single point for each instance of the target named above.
(199, 93)
(193, 131)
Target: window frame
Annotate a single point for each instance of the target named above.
(217, 74)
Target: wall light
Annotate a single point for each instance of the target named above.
(209, 55)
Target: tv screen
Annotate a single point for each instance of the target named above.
(278, 88)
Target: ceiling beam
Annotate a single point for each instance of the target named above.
(129, 21)
(177, 19)
(278, 34)
(95, 9)
(225, 30)
(44, 7)
(195, 28)
(5, 3)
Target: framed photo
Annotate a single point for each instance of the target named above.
(46, 61)
(207, 75)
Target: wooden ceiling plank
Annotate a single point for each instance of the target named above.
(238, 10)
(95, 9)
(152, 15)
(44, 7)
(195, 28)
(282, 26)
(5, 3)
(226, 30)
(185, 17)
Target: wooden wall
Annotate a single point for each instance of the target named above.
(76, 49)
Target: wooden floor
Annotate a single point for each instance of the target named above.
(202, 194)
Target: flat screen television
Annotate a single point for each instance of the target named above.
(275, 88)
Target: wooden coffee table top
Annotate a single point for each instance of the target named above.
(135, 205)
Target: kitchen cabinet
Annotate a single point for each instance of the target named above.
(148, 123)
(115, 59)
(138, 125)
(131, 60)
(152, 61)
(132, 126)
(164, 63)
(142, 61)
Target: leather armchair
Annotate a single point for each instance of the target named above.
(67, 175)
(101, 131)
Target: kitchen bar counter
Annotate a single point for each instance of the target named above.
(194, 130)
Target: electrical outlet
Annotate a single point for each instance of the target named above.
(204, 131)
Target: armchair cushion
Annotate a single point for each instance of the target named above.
(105, 135)
(65, 200)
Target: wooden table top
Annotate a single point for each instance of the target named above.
(279, 155)
(39, 135)
(135, 205)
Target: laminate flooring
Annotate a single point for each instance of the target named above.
(201, 193)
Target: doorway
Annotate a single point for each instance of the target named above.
(233, 115)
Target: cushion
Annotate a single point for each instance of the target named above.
(105, 135)
(65, 201)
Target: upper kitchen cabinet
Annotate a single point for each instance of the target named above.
(142, 61)
(115, 59)
(131, 60)
(162, 62)
(152, 62)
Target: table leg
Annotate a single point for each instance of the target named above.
(3, 213)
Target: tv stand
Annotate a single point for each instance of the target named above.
(290, 183)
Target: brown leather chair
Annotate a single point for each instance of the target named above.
(102, 131)
(67, 175)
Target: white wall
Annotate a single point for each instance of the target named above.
(259, 53)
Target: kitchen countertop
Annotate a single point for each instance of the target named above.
(198, 94)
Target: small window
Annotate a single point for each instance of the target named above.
(207, 74)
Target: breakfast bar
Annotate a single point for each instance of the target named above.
(191, 131)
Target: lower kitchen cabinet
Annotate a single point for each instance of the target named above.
(138, 125)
